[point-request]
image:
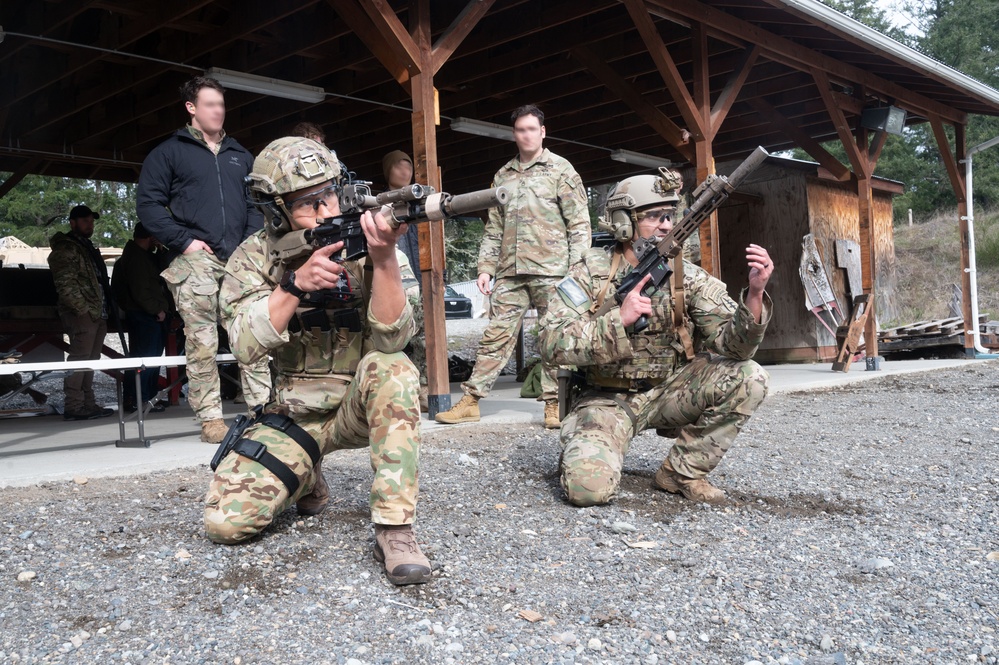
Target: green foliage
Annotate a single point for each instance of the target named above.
(987, 241)
(38, 206)
(462, 237)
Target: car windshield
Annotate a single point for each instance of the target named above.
(450, 293)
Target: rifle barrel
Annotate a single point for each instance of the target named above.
(460, 204)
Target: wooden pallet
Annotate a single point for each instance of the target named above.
(925, 334)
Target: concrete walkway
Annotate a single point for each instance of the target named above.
(47, 448)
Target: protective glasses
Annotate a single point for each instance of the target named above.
(314, 200)
(659, 213)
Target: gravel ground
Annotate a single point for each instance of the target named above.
(861, 528)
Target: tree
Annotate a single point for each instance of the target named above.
(38, 206)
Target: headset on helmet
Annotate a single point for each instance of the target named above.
(288, 165)
(637, 193)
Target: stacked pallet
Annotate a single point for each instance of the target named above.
(924, 334)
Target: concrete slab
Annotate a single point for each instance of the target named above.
(48, 448)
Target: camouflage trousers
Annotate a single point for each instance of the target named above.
(511, 298)
(194, 280)
(380, 410)
(708, 401)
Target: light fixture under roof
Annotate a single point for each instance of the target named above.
(639, 159)
(889, 119)
(480, 128)
(266, 86)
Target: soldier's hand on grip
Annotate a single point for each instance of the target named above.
(320, 271)
(636, 305)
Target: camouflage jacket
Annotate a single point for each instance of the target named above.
(315, 359)
(571, 335)
(79, 275)
(545, 226)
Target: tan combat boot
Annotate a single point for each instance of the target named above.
(396, 547)
(213, 431)
(465, 411)
(695, 489)
(315, 502)
(551, 414)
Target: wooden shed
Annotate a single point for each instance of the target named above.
(783, 201)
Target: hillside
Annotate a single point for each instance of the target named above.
(929, 267)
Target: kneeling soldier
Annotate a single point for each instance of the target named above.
(652, 378)
(340, 377)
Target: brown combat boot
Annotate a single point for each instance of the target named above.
(396, 547)
(465, 411)
(315, 502)
(694, 489)
(551, 414)
(213, 431)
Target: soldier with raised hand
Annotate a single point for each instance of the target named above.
(528, 246)
(341, 379)
(688, 374)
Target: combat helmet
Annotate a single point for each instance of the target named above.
(287, 165)
(637, 193)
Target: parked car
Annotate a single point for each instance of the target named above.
(456, 306)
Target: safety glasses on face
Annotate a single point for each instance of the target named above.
(658, 214)
(314, 200)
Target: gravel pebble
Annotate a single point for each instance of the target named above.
(823, 486)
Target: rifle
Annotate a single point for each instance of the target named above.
(654, 254)
(413, 203)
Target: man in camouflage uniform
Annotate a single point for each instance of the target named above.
(192, 198)
(637, 380)
(81, 281)
(336, 333)
(528, 246)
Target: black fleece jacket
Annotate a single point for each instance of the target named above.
(186, 192)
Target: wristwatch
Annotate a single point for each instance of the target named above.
(288, 284)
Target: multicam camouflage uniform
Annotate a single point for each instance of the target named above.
(644, 380)
(417, 347)
(348, 386)
(194, 280)
(528, 246)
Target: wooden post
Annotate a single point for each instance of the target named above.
(425, 118)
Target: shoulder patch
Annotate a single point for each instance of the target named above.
(573, 294)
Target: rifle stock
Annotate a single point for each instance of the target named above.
(654, 257)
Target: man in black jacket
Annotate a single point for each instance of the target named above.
(193, 199)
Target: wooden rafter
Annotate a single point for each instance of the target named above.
(664, 63)
(804, 141)
(732, 87)
(947, 155)
(843, 129)
(627, 93)
(18, 175)
(394, 33)
(458, 30)
(361, 24)
(775, 47)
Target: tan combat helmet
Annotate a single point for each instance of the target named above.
(287, 165)
(637, 193)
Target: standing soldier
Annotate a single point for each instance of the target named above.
(528, 246)
(341, 379)
(637, 380)
(192, 198)
(81, 281)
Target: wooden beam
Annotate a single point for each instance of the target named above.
(943, 143)
(431, 239)
(708, 233)
(874, 152)
(800, 57)
(667, 68)
(18, 175)
(458, 30)
(358, 21)
(732, 87)
(809, 145)
(394, 33)
(843, 128)
(701, 77)
(627, 93)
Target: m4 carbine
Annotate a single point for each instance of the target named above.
(413, 203)
(654, 254)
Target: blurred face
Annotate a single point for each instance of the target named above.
(528, 133)
(655, 221)
(309, 206)
(208, 112)
(401, 174)
(83, 225)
